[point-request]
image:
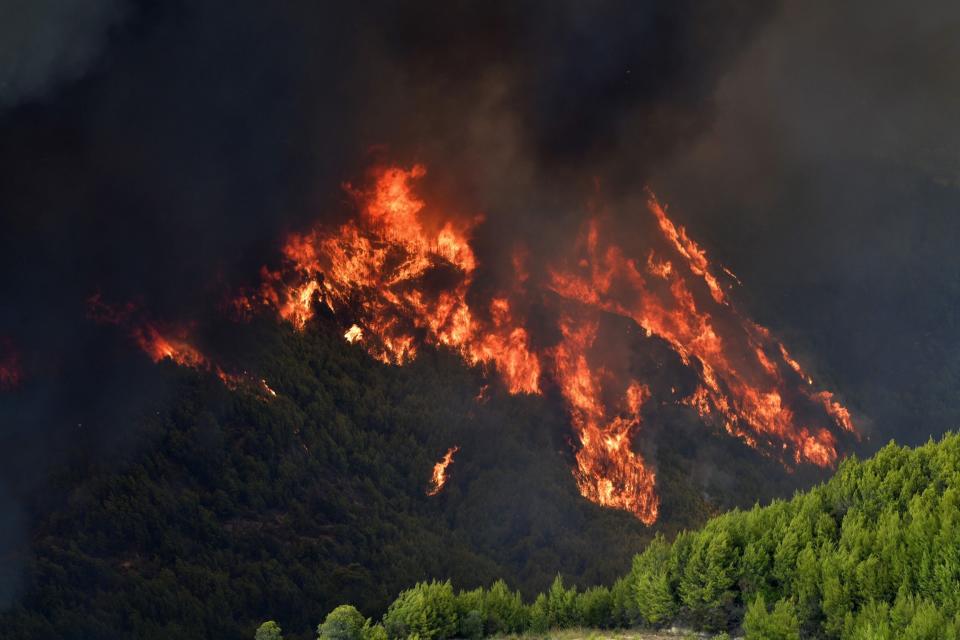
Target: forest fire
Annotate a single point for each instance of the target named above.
(439, 477)
(401, 275)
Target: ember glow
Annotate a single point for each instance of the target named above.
(165, 343)
(439, 477)
(10, 371)
(399, 274)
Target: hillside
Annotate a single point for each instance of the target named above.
(235, 505)
(872, 554)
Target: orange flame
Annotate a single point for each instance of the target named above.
(608, 471)
(376, 266)
(166, 343)
(399, 273)
(742, 382)
(353, 334)
(439, 477)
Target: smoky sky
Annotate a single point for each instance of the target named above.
(829, 182)
(158, 152)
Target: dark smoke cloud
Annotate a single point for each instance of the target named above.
(45, 43)
(157, 153)
(829, 183)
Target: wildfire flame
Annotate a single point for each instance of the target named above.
(439, 477)
(400, 273)
(161, 343)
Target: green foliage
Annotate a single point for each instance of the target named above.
(779, 624)
(594, 608)
(625, 611)
(343, 623)
(428, 610)
(651, 579)
(471, 625)
(706, 588)
(504, 610)
(561, 605)
(374, 631)
(269, 630)
(540, 615)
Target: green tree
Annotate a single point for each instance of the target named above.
(269, 630)
(594, 607)
(505, 612)
(428, 609)
(779, 624)
(650, 577)
(561, 605)
(343, 623)
(709, 579)
(540, 615)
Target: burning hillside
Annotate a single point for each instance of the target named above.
(401, 275)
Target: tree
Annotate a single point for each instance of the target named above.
(650, 575)
(428, 610)
(779, 624)
(504, 610)
(561, 605)
(269, 630)
(594, 607)
(343, 623)
(708, 580)
(540, 615)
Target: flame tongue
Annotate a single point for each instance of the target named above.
(400, 275)
(608, 471)
(165, 343)
(745, 374)
(439, 477)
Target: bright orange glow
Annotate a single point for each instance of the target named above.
(163, 343)
(401, 275)
(377, 265)
(439, 477)
(353, 334)
(744, 387)
(608, 472)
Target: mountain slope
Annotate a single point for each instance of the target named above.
(873, 554)
(238, 504)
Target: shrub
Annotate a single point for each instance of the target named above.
(428, 610)
(343, 623)
(269, 630)
(594, 607)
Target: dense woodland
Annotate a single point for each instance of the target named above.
(873, 554)
(233, 506)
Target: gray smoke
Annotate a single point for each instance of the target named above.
(45, 44)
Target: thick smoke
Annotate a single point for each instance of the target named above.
(206, 131)
(46, 43)
(829, 184)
